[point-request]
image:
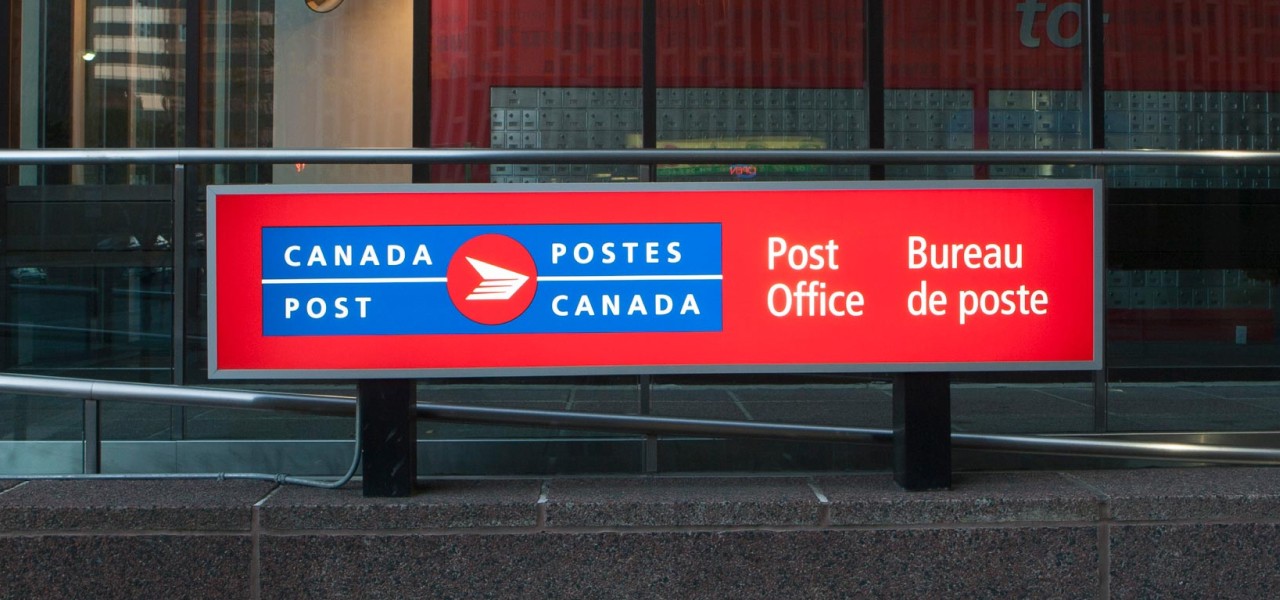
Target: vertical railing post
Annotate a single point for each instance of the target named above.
(650, 449)
(92, 436)
(178, 244)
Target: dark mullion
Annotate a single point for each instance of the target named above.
(193, 74)
(1094, 105)
(421, 85)
(873, 61)
(8, 42)
(55, 90)
(649, 83)
(1093, 82)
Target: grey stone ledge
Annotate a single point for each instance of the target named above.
(703, 502)
(1228, 493)
(438, 504)
(131, 505)
(974, 498)
(662, 501)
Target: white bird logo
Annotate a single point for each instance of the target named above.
(497, 283)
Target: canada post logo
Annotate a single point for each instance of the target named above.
(436, 279)
(488, 293)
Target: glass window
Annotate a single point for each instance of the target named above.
(762, 74)
(88, 249)
(238, 95)
(985, 75)
(277, 74)
(1193, 285)
(1193, 280)
(516, 74)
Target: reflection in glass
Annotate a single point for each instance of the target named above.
(1192, 291)
(760, 75)
(517, 74)
(132, 86)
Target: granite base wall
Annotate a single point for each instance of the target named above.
(1098, 534)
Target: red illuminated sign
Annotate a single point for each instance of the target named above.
(402, 281)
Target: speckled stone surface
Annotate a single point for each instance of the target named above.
(978, 562)
(681, 502)
(1165, 494)
(106, 505)
(1175, 533)
(1196, 561)
(974, 498)
(127, 567)
(438, 504)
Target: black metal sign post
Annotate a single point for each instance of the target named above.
(922, 431)
(388, 436)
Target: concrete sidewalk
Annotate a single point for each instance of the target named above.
(1210, 532)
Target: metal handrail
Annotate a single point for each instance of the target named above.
(435, 156)
(87, 389)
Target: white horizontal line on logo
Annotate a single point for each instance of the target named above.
(356, 280)
(630, 278)
(543, 278)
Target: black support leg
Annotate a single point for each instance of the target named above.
(389, 436)
(922, 431)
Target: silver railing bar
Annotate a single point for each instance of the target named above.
(650, 425)
(94, 390)
(1075, 446)
(192, 156)
(91, 389)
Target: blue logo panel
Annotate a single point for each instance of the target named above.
(611, 278)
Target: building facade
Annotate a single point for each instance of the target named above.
(1192, 258)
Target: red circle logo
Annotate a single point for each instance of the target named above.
(492, 279)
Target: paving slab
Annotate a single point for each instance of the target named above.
(131, 505)
(681, 502)
(974, 498)
(1188, 493)
(438, 504)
